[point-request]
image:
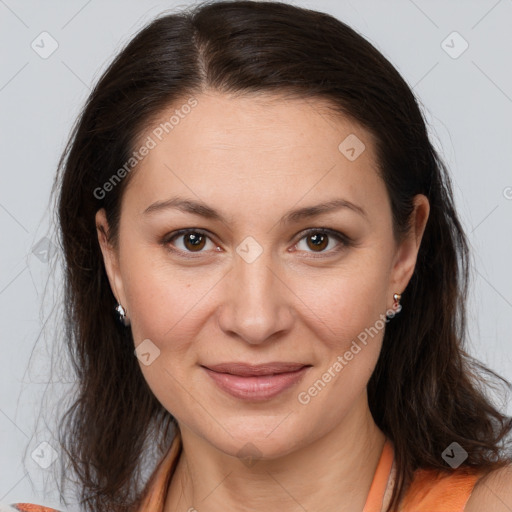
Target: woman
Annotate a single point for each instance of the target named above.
(252, 190)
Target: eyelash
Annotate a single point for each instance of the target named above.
(344, 241)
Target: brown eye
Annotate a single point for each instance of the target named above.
(319, 241)
(323, 240)
(187, 241)
(194, 241)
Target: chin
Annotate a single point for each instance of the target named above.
(266, 438)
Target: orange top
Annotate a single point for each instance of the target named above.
(382, 480)
(27, 507)
(430, 490)
(447, 491)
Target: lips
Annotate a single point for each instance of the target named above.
(248, 370)
(256, 382)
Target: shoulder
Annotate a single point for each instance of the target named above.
(25, 507)
(492, 492)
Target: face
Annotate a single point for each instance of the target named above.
(263, 273)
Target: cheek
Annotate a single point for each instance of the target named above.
(349, 324)
(167, 308)
(165, 301)
(345, 302)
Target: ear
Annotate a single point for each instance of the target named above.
(110, 257)
(407, 252)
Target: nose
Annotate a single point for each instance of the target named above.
(256, 306)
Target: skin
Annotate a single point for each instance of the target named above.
(492, 492)
(253, 159)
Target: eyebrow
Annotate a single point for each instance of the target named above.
(293, 216)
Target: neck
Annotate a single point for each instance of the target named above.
(331, 474)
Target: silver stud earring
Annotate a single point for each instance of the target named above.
(121, 315)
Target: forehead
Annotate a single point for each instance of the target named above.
(257, 147)
(254, 120)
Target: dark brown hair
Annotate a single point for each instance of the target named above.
(425, 392)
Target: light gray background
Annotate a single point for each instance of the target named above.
(468, 102)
